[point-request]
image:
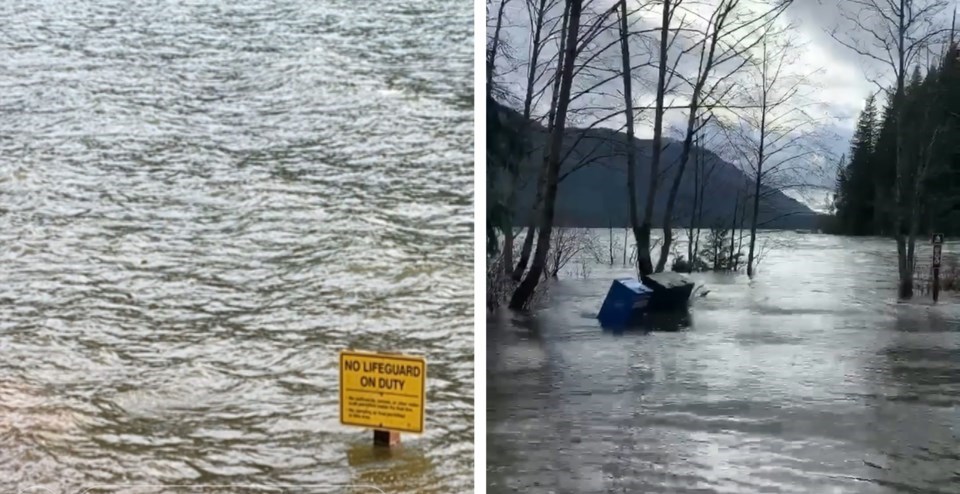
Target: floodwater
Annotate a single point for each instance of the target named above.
(201, 203)
(808, 379)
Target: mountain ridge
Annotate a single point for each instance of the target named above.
(595, 195)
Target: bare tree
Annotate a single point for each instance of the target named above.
(641, 233)
(537, 12)
(894, 34)
(591, 67)
(628, 113)
(701, 179)
(741, 215)
(552, 169)
(567, 244)
(734, 254)
(731, 33)
(527, 247)
(626, 239)
(731, 39)
(494, 46)
(776, 142)
(610, 240)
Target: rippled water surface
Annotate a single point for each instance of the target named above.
(200, 204)
(809, 379)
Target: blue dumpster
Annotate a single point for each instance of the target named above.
(625, 301)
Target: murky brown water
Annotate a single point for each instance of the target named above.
(200, 204)
(807, 379)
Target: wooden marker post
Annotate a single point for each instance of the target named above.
(383, 392)
(937, 249)
(385, 438)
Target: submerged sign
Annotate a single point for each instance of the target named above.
(937, 240)
(382, 391)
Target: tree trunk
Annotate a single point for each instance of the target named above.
(491, 64)
(733, 232)
(756, 212)
(527, 104)
(716, 250)
(642, 235)
(740, 229)
(611, 241)
(760, 157)
(526, 288)
(507, 245)
(675, 188)
(534, 59)
(904, 261)
(527, 247)
(687, 143)
(626, 237)
(696, 245)
(492, 56)
(696, 191)
(914, 226)
(904, 264)
(628, 107)
(878, 207)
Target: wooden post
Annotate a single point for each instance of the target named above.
(937, 249)
(936, 284)
(386, 438)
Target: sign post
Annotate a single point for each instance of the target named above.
(937, 241)
(383, 392)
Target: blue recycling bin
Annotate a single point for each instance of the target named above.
(625, 301)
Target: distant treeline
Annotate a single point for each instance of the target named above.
(866, 186)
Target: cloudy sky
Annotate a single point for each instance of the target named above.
(842, 83)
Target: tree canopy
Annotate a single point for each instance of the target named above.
(931, 123)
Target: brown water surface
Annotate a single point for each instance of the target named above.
(200, 204)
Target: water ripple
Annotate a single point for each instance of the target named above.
(808, 378)
(200, 203)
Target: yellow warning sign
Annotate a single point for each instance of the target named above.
(382, 391)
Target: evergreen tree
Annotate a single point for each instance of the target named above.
(865, 185)
(856, 208)
(839, 207)
(942, 101)
(884, 170)
(950, 81)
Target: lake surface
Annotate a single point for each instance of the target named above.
(810, 378)
(201, 203)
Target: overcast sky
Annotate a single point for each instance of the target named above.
(842, 84)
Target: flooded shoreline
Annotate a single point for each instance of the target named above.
(809, 378)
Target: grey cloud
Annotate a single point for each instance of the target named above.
(811, 17)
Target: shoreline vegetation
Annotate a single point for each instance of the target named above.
(575, 251)
(726, 77)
